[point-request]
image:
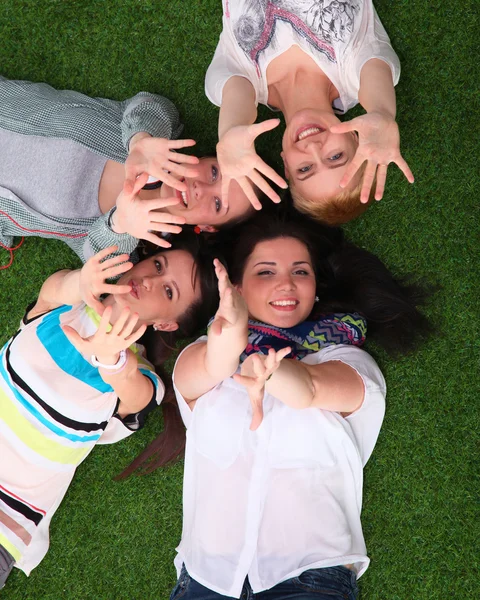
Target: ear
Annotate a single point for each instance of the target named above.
(285, 168)
(238, 287)
(166, 326)
(208, 228)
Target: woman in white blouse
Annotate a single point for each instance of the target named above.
(282, 410)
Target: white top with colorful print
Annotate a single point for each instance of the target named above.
(340, 36)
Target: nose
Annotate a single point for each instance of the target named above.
(199, 189)
(148, 281)
(286, 283)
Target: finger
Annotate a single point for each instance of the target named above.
(179, 158)
(257, 408)
(112, 288)
(345, 127)
(281, 354)
(99, 256)
(161, 217)
(247, 382)
(115, 260)
(170, 180)
(164, 228)
(267, 170)
(225, 185)
(117, 270)
(249, 193)
(156, 240)
(105, 320)
(183, 170)
(381, 178)
(73, 337)
(405, 169)
(130, 177)
(259, 128)
(140, 181)
(125, 315)
(136, 335)
(368, 178)
(260, 182)
(130, 325)
(181, 144)
(352, 168)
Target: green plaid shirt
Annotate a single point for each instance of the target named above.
(103, 126)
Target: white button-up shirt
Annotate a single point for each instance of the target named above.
(285, 498)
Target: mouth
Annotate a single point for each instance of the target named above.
(183, 196)
(134, 291)
(285, 305)
(306, 131)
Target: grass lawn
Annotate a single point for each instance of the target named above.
(117, 540)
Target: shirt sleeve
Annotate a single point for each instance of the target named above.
(151, 113)
(375, 44)
(226, 63)
(119, 428)
(367, 420)
(185, 410)
(101, 236)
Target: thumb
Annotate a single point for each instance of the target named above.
(264, 126)
(346, 126)
(73, 337)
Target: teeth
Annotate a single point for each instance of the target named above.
(184, 198)
(284, 303)
(307, 132)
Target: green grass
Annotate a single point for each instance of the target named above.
(114, 540)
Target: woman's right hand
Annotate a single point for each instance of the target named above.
(239, 161)
(94, 273)
(232, 311)
(140, 218)
(256, 370)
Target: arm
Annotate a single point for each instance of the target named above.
(83, 285)
(202, 366)
(377, 92)
(238, 105)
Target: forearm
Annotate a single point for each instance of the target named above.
(332, 386)
(222, 352)
(132, 388)
(238, 105)
(377, 92)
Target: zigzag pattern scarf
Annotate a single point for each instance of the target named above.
(307, 337)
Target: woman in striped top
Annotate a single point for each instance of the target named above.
(73, 376)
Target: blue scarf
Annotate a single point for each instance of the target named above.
(307, 337)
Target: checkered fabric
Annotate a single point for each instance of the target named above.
(103, 126)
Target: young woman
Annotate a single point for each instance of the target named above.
(309, 59)
(66, 157)
(283, 410)
(73, 376)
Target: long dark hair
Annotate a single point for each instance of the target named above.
(348, 278)
(159, 346)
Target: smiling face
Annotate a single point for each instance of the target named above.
(278, 282)
(202, 203)
(163, 288)
(315, 159)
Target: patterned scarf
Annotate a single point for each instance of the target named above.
(307, 337)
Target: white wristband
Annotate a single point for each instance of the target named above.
(122, 359)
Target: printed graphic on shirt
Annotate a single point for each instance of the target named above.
(322, 23)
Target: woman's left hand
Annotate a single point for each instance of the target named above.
(106, 344)
(379, 145)
(254, 373)
(155, 156)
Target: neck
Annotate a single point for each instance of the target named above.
(116, 310)
(317, 91)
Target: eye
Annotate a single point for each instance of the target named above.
(301, 272)
(214, 173)
(218, 204)
(336, 157)
(158, 266)
(305, 169)
(265, 272)
(168, 291)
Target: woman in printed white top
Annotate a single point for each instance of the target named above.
(309, 59)
(273, 494)
(73, 376)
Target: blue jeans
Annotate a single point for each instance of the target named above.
(331, 583)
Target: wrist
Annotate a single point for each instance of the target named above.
(141, 135)
(115, 221)
(108, 360)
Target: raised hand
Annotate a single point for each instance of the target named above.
(232, 310)
(239, 161)
(94, 273)
(254, 373)
(140, 218)
(108, 341)
(379, 145)
(154, 156)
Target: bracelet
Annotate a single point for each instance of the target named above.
(110, 222)
(118, 366)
